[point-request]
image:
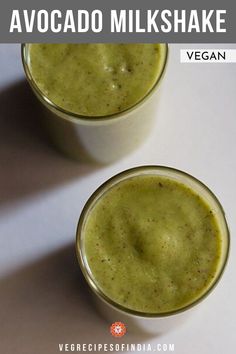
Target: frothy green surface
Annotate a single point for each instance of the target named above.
(96, 79)
(152, 244)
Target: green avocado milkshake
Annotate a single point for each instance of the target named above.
(152, 244)
(100, 100)
(96, 79)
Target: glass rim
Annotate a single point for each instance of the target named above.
(75, 117)
(81, 256)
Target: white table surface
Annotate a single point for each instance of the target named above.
(43, 298)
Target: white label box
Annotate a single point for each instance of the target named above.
(208, 56)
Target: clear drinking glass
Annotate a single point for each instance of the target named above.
(101, 139)
(148, 321)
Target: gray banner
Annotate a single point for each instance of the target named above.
(33, 14)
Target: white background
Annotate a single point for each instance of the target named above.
(43, 298)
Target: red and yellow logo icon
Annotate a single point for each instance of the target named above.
(118, 329)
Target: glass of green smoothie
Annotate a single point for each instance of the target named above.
(152, 242)
(99, 99)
